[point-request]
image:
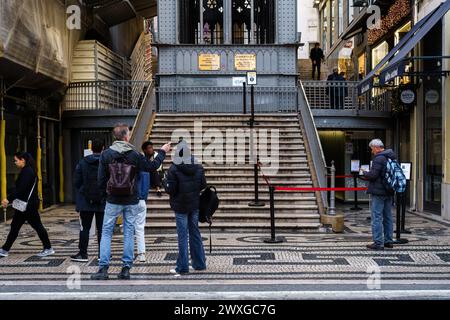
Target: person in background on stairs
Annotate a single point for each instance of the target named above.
(26, 190)
(317, 57)
(183, 182)
(155, 176)
(90, 200)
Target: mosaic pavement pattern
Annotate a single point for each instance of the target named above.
(241, 256)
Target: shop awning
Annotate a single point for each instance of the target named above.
(394, 63)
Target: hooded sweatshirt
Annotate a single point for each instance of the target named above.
(377, 171)
(123, 149)
(90, 162)
(183, 184)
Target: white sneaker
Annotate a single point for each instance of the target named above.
(3, 253)
(175, 273)
(141, 257)
(46, 252)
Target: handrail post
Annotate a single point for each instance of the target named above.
(244, 97)
(332, 208)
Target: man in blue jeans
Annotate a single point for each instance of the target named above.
(184, 181)
(381, 208)
(127, 203)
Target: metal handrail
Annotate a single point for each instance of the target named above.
(344, 95)
(313, 140)
(105, 95)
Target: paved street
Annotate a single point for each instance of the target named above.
(312, 265)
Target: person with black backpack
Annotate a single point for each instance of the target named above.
(184, 181)
(119, 168)
(90, 200)
(381, 197)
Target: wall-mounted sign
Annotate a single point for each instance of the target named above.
(406, 167)
(349, 148)
(245, 62)
(251, 78)
(408, 96)
(238, 81)
(209, 62)
(432, 96)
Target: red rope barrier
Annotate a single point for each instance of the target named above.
(317, 189)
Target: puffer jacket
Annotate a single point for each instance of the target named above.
(377, 171)
(183, 183)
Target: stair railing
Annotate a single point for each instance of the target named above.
(144, 117)
(313, 145)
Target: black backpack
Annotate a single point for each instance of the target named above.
(90, 190)
(209, 202)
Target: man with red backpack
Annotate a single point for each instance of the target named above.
(119, 169)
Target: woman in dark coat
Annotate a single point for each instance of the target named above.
(26, 190)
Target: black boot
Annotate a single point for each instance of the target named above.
(102, 274)
(124, 274)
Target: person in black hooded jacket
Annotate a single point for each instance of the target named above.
(183, 182)
(90, 200)
(26, 190)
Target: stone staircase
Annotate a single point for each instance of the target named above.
(235, 181)
(305, 70)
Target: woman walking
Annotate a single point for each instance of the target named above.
(26, 190)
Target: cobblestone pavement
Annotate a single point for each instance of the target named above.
(316, 260)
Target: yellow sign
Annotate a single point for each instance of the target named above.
(209, 62)
(245, 62)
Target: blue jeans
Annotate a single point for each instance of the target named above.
(112, 211)
(188, 231)
(382, 221)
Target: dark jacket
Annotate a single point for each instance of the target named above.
(377, 172)
(24, 183)
(127, 150)
(183, 184)
(316, 54)
(80, 179)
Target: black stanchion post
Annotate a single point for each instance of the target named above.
(404, 210)
(252, 105)
(355, 184)
(244, 98)
(273, 238)
(398, 202)
(256, 202)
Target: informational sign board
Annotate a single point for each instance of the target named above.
(251, 78)
(245, 62)
(209, 62)
(87, 152)
(355, 164)
(406, 167)
(408, 96)
(238, 81)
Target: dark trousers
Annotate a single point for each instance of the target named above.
(86, 222)
(317, 66)
(34, 220)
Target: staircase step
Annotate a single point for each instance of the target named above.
(239, 225)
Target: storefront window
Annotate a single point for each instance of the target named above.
(432, 46)
(350, 10)
(324, 28)
(362, 66)
(333, 22)
(341, 16)
(379, 52)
